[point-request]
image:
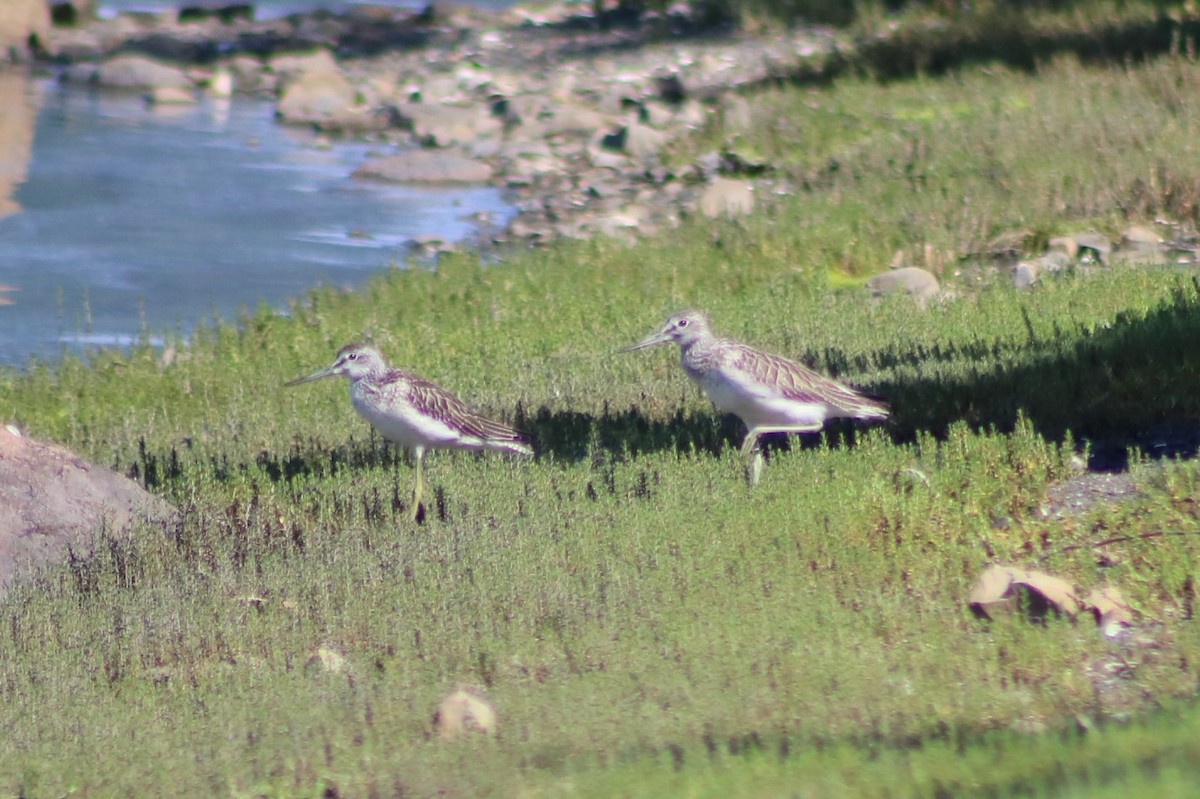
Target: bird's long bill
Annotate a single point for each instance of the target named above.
(649, 341)
(326, 372)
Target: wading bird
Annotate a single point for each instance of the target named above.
(770, 393)
(413, 412)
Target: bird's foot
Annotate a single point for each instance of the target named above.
(416, 512)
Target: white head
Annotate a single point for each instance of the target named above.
(684, 328)
(355, 361)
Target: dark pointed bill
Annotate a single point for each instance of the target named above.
(654, 338)
(326, 372)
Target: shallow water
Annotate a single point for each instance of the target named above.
(272, 9)
(128, 220)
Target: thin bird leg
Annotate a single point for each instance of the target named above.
(755, 469)
(751, 442)
(419, 488)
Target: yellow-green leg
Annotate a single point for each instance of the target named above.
(419, 489)
(750, 448)
(751, 442)
(755, 468)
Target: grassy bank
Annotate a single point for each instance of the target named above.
(645, 623)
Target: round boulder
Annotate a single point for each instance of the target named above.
(138, 73)
(911, 280)
(51, 500)
(464, 711)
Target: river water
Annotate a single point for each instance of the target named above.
(271, 9)
(120, 220)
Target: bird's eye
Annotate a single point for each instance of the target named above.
(681, 323)
(353, 356)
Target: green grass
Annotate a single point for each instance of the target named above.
(938, 167)
(645, 623)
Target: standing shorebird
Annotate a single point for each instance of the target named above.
(771, 394)
(414, 412)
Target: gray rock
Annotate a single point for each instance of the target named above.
(171, 95)
(571, 119)
(727, 197)
(436, 88)
(525, 108)
(51, 500)
(139, 73)
(19, 19)
(911, 280)
(81, 73)
(380, 90)
(602, 159)
(524, 148)
(656, 115)
(425, 166)
(291, 66)
(98, 39)
(1066, 245)
(1006, 249)
(1142, 256)
(533, 231)
(316, 96)
(620, 225)
(1142, 246)
(1025, 274)
(443, 125)
(1097, 247)
(465, 712)
(535, 166)
(250, 75)
(1140, 237)
(74, 45)
(642, 141)
(692, 114)
(617, 98)
(1053, 261)
(485, 148)
(600, 183)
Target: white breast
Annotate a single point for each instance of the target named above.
(757, 403)
(402, 424)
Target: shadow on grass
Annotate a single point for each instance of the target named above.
(1134, 384)
(1007, 37)
(575, 436)
(1003, 35)
(563, 435)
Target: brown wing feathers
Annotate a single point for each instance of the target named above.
(798, 382)
(431, 398)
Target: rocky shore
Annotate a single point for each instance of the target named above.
(575, 116)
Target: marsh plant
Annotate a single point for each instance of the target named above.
(643, 621)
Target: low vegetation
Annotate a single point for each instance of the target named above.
(644, 622)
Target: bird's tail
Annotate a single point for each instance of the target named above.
(517, 446)
(870, 408)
